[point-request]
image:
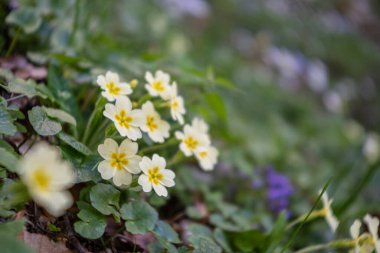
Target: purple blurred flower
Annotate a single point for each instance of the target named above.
(279, 190)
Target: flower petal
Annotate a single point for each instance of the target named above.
(110, 146)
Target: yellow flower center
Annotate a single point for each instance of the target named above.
(203, 154)
(123, 119)
(41, 179)
(158, 86)
(175, 105)
(154, 176)
(151, 123)
(191, 143)
(112, 88)
(119, 160)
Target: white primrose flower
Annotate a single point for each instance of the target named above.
(373, 226)
(328, 213)
(112, 87)
(158, 85)
(155, 175)
(120, 162)
(127, 121)
(207, 157)
(156, 128)
(192, 140)
(355, 232)
(47, 178)
(177, 107)
(199, 125)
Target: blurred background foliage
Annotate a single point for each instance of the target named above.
(289, 84)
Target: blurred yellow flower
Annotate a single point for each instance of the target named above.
(47, 178)
(177, 107)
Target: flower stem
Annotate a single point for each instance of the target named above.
(13, 43)
(334, 244)
(150, 149)
(313, 215)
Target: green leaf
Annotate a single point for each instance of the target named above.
(105, 199)
(87, 170)
(60, 115)
(140, 217)
(164, 230)
(6, 122)
(199, 230)
(8, 159)
(41, 123)
(217, 104)
(13, 228)
(162, 245)
(92, 224)
(248, 241)
(278, 229)
(221, 238)
(10, 244)
(203, 244)
(72, 142)
(20, 86)
(62, 92)
(26, 18)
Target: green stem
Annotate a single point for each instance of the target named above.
(170, 142)
(313, 248)
(144, 98)
(352, 196)
(75, 22)
(178, 157)
(306, 217)
(13, 43)
(334, 244)
(313, 215)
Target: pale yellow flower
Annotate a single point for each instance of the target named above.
(120, 162)
(158, 85)
(177, 107)
(156, 128)
(112, 87)
(127, 121)
(47, 178)
(155, 175)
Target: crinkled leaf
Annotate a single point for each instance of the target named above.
(87, 171)
(203, 244)
(105, 198)
(8, 159)
(162, 245)
(140, 217)
(72, 142)
(92, 224)
(6, 122)
(222, 240)
(60, 115)
(41, 122)
(164, 230)
(26, 18)
(198, 229)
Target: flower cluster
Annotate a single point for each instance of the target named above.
(195, 140)
(131, 121)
